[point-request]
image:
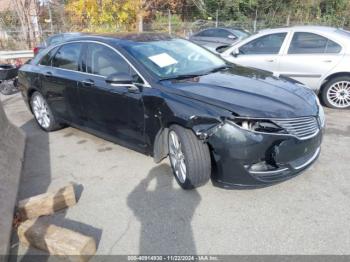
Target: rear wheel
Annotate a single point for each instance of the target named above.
(42, 113)
(189, 157)
(336, 93)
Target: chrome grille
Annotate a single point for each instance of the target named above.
(302, 128)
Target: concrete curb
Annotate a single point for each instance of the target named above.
(12, 147)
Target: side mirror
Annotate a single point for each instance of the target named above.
(231, 37)
(235, 52)
(119, 79)
(122, 80)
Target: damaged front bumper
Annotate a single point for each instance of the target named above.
(250, 159)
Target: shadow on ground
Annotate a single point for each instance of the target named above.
(165, 214)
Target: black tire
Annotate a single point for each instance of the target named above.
(196, 157)
(326, 88)
(54, 124)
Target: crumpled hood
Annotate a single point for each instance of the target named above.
(248, 92)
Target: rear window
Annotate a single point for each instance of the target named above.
(343, 32)
(54, 39)
(46, 60)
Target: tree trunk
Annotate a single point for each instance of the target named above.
(140, 23)
(56, 240)
(47, 203)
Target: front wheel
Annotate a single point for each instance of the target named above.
(336, 93)
(189, 158)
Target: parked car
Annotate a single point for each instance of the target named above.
(213, 38)
(165, 96)
(314, 55)
(55, 39)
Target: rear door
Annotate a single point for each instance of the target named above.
(59, 81)
(113, 110)
(308, 57)
(262, 52)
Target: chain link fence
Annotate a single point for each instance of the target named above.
(14, 38)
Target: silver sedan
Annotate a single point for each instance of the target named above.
(316, 56)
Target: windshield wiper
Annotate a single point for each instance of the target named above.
(179, 77)
(220, 68)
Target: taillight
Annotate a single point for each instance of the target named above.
(36, 50)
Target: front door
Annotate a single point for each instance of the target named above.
(262, 52)
(112, 110)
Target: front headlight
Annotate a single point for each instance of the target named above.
(258, 125)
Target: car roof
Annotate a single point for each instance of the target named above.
(66, 34)
(308, 28)
(225, 28)
(125, 37)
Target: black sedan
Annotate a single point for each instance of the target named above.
(165, 96)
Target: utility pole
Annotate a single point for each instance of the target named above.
(169, 21)
(217, 18)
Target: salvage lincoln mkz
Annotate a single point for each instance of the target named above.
(167, 96)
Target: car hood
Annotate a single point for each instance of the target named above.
(248, 92)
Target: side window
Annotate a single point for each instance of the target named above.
(67, 57)
(207, 33)
(102, 60)
(332, 47)
(309, 43)
(47, 59)
(222, 33)
(268, 44)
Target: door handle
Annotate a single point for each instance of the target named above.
(48, 74)
(88, 83)
(327, 61)
(270, 60)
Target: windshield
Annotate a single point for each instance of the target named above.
(174, 58)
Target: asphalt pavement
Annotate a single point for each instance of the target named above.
(131, 205)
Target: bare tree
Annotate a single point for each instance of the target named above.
(27, 14)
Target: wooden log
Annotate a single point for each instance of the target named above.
(47, 203)
(56, 240)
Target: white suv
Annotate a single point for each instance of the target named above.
(316, 56)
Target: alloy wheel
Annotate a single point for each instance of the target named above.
(41, 111)
(177, 157)
(338, 94)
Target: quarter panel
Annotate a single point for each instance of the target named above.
(28, 81)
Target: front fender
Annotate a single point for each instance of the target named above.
(201, 118)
